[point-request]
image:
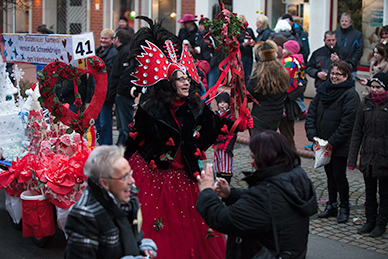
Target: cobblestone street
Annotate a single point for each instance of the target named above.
(328, 228)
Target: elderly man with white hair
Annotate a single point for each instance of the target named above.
(106, 220)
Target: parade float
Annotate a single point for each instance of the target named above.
(44, 149)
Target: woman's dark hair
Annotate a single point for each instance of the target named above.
(270, 148)
(344, 67)
(384, 29)
(165, 91)
(382, 50)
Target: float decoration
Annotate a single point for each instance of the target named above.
(225, 28)
(57, 70)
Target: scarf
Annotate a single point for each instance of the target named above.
(123, 215)
(379, 98)
(330, 92)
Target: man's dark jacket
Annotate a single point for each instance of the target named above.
(189, 35)
(320, 59)
(352, 40)
(263, 35)
(305, 49)
(247, 212)
(119, 79)
(108, 56)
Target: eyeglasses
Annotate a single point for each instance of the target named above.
(125, 178)
(183, 79)
(337, 74)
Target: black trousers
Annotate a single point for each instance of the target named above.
(337, 181)
(371, 203)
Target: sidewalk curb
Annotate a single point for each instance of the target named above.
(301, 152)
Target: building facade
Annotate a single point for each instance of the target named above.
(78, 16)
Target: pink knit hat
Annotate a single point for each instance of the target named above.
(292, 46)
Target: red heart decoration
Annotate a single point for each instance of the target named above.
(152, 164)
(203, 156)
(69, 57)
(142, 143)
(224, 129)
(133, 135)
(80, 121)
(170, 142)
(61, 57)
(197, 153)
(64, 43)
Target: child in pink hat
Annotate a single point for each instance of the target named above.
(294, 64)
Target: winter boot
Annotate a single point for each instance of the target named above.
(344, 214)
(371, 217)
(381, 223)
(367, 228)
(331, 210)
(379, 230)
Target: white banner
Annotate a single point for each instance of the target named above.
(41, 49)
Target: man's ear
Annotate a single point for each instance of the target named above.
(104, 183)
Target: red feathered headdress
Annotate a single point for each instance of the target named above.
(155, 66)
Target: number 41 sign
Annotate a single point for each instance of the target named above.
(83, 45)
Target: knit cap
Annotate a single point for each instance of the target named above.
(279, 40)
(292, 46)
(381, 78)
(224, 96)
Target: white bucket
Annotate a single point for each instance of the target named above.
(32, 196)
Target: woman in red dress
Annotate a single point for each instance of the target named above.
(173, 127)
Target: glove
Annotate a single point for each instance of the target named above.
(351, 168)
(250, 123)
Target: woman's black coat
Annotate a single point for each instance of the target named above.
(370, 132)
(155, 127)
(335, 122)
(247, 214)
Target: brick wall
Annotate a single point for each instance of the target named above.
(37, 14)
(188, 6)
(96, 20)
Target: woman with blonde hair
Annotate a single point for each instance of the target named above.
(263, 29)
(268, 85)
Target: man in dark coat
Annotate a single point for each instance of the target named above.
(320, 61)
(188, 33)
(123, 24)
(350, 39)
(107, 52)
(121, 86)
